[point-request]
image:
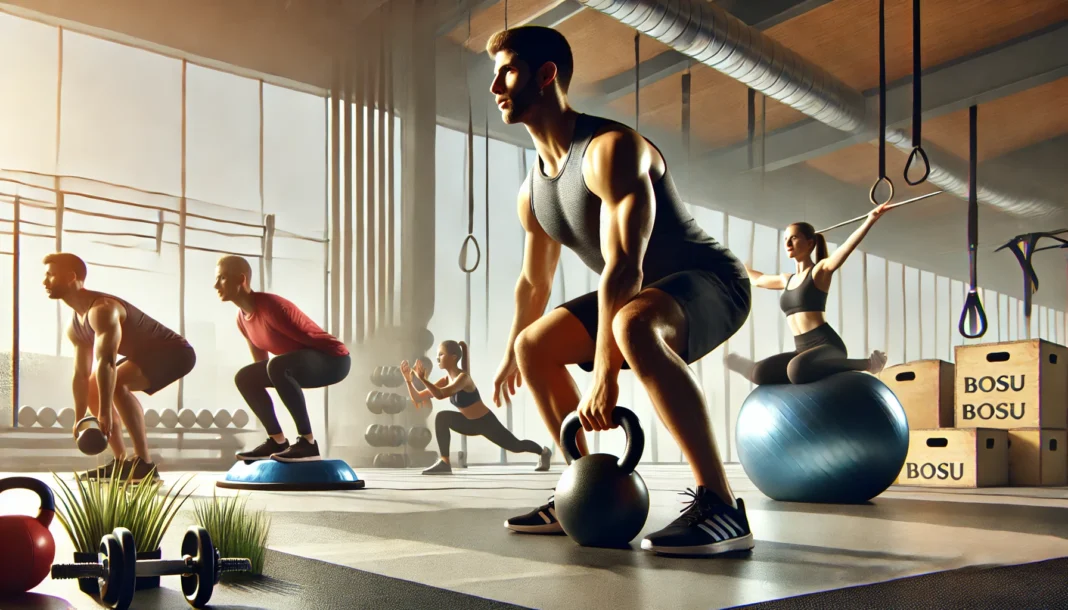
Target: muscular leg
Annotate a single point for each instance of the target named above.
(491, 428)
(307, 368)
(130, 379)
(771, 370)
(543, 352)
(652, 331)
(821, 362)
(252, 382)
(115, 442)
(444, 423)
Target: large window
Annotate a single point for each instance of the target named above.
(912, 314)
(109, 168)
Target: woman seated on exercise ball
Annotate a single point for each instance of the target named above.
(474, 418)
(819, 352)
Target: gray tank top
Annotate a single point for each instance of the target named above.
(571, 215)
(141, 334)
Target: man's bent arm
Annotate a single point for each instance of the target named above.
(540, 256)
(83, 368)
(106, 323)
(617, 171)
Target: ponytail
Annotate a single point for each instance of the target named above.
(821, 247)
(458, 349)
(465, 366)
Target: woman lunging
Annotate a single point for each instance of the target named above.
(473, 418)
(819, 352)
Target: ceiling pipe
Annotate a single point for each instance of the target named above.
(711, 36)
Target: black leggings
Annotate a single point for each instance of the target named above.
(288, 374)
(488, 426)
(820, 354)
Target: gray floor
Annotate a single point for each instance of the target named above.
(446, 532)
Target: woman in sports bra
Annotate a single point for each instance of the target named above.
(819, 352)
(473, 417)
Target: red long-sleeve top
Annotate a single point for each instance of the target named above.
(277, 326)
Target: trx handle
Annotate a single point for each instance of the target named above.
(882, 112)
(973, 318)
(917, 105)
(469, 159)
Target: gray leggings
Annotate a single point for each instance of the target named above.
(819, 354)
(487, 426)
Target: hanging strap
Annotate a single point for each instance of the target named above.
(973, 312)
(917, 105)
(686, 125)
(637, 78)
(470, 159)
(882, 111)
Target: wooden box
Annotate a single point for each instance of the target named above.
(1037, 458)
(1018, 384)
(946, 457)
(925, 389)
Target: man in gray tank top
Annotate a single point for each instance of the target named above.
(669, 294)
(105, 327)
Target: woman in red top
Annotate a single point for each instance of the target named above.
(305, 356)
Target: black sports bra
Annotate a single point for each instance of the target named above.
(806, 297)
(465, 399)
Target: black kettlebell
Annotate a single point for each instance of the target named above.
(602, 501)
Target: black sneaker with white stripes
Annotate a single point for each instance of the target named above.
(541, 520)
(707, 526)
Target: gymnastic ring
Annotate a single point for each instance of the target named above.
(463, 250)
(926, 166)
(871, 193)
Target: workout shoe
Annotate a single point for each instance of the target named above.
(439, 467)
(136, 471)
(301, 451)
(707, 527)
(544, 460)
(541, 520)
(264, 452)
(102, 472)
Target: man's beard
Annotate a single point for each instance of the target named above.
(520, 103)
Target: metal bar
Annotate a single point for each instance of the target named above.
(335, 207)
(345, 95)
(262, 198)
(16, 258)
(182, 219)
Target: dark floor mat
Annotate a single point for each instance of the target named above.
(1032, 585)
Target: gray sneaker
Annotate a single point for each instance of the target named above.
(441, 467)
(544, 460)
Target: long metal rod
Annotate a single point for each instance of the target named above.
(60, 203)
(889, 207)
(181, 232)
(263, 271)
(335, 209)
(348, 292)
(16, 258)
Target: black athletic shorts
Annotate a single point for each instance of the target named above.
(164, 366)
(716, 307)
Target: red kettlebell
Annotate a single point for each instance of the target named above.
(28, 545)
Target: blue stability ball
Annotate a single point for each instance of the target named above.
(270, 475)
(842, 439)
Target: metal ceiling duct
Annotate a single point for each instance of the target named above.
(710, 35)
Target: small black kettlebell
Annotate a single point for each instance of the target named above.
(602, 501)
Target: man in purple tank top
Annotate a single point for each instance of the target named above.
(105, 327)
(668, 294)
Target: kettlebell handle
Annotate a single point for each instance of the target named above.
(44, 492)
(621, 416)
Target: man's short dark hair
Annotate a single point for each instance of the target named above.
(536, 45)
(67, 262)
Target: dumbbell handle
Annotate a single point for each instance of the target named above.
(186, 566)
(65, 571)
(146, 567)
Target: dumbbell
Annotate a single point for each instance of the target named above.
(91, 439)
(118, 568)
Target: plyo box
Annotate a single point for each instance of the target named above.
(947, 457)
(1037, 458)
(925, 389)
(1018, 384)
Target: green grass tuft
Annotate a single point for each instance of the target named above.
(235, 530)
(93, 508)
